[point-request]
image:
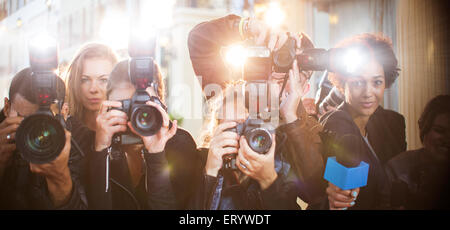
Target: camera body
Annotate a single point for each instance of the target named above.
(258, 136)
(145, 119)
(261, 62)
(311, 59)
(40, 137)
(258, 64)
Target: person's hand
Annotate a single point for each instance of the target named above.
(65, 111)
(157, 142)
(295, 89)
(8, 130)
(260, 167)
(109, 123)
(223, 142)
(310, 106)
(341, 199)
(260, 31)
(57, 174)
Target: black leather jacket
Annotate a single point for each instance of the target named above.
(418, 183)
(386, 134)
(23, 190)
(214, 193)
(296, 178)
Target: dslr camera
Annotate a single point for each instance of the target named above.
(145, 119)
(260, 62)
(258, 136)
(40, 137)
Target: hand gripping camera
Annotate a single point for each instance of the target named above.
(145, 119)
(258, 136)
(41, 137)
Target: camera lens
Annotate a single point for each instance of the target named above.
(147, 120)
(40, 138)
(259, 140)
(285, 56)
(144, 119)
(283, 59)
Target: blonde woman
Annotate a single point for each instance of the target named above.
(86, 78)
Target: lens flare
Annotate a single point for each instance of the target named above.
(43, 41)
(157, 13)
(236, 55)
(114, 30)
(352, 60)
(143, 34)
(274, 15)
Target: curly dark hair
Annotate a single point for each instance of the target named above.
(438, 105)
(381, 49)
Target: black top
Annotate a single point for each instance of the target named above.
(418, 183)
(21, 189)
(215, 193)
(386, 135)
(168, 182)
(300, 179)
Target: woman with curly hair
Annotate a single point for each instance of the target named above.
(379, 134)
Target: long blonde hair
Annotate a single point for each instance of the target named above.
(75, 70)
(214, 108)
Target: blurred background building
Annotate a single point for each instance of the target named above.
(419, 31)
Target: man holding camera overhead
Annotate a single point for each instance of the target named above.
(301, 145)
(33, 181)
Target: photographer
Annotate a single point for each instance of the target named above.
(86, 79)
(205, 43)
(156, 172)
(379, 133)
(420, 177)
(24, 185)
(260, 181)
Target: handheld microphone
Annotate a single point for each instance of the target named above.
(346, 170)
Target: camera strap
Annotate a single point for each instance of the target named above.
(284, 85)
(159, 102)
(108, 158)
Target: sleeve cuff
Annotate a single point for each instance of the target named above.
(273, 189)
(94, 153)
(75, 201)
(210, 179)
(155, 158)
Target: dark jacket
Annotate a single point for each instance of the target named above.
(214, 194)
(386, 134)
(301, 150)
(167, 184)
(205, 42)
(292, 182)
(21, 189)
(418, 183)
